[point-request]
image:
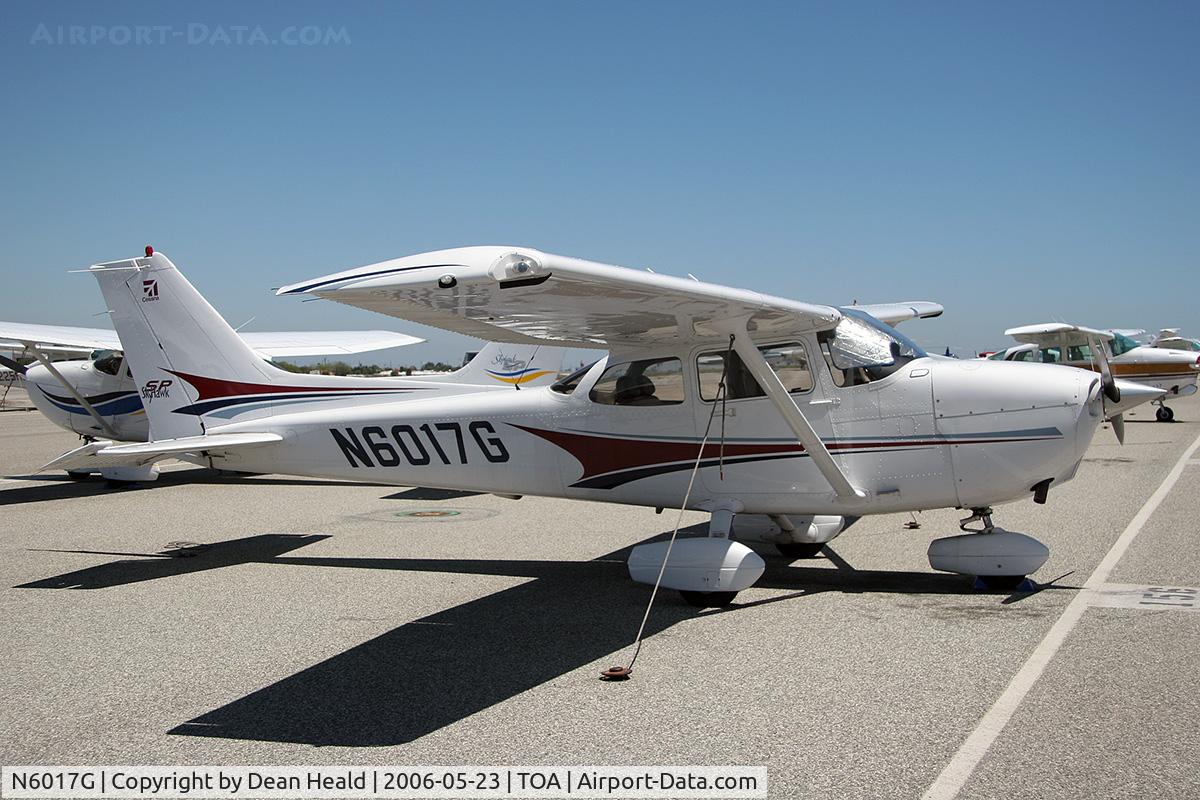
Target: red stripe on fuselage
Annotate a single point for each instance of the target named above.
(599, 454)
(210, 388)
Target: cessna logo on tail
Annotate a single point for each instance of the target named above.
(149, 291)
(156, 390)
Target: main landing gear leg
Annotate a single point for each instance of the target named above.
(1000, 560)
(719, 527)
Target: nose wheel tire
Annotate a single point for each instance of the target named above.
(798, 549)
(78, 476)
(1001, 583)
(708, 599)
(1165, 414)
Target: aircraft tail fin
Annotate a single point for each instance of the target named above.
(183, 355)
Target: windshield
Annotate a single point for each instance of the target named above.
(1122, 344)
(860, 340)
(567, 385)
(107, 361)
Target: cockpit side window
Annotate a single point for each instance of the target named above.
(790, 362)
(1079, 352)
(1051, 355)
(650, 382)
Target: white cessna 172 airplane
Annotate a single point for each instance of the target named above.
(825, 414)
(1173, 371)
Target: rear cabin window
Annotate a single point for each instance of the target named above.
(652, 382)
(790, 362)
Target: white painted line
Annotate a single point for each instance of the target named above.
(951, 780)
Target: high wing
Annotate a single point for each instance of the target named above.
(57, 339)
(1051, 334)
(292, 344)
(524, 296)
(895, 313)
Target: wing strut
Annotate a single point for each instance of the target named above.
(769, 381)
(49, 365)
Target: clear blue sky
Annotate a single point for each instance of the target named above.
(1015, 161)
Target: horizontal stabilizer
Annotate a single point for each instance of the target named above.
(102, 453)
(895, 313)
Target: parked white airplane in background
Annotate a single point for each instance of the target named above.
(98, 399)
(1173, 371)
(1169, 339)
(826, 414)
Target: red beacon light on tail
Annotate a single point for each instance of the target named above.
(149, 251)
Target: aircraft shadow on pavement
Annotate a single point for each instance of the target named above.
(425, 493)
(56, 488)
(170, 563)
(435, 671)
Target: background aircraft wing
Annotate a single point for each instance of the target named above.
(57, 338)
(520, 295)
(895, 313)
(1050, 333)
(60, 339)
(291, 344)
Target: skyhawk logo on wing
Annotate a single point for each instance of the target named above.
(149, 291)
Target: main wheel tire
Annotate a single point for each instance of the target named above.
(708, 599)
(1001, 583)
(78, 476)
(1165, 414)
(798, 549)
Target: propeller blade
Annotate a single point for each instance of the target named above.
(1118, 423)
(1111, 390)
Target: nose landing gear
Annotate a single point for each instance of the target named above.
(1000, 559)
(1164, 413)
